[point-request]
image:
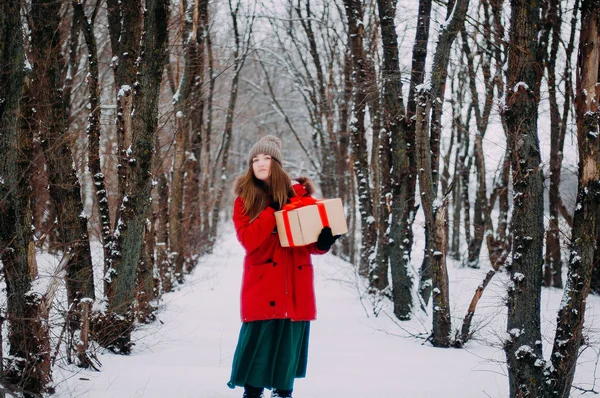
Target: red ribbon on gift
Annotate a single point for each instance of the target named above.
(300, 201)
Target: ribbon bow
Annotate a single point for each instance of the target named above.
(300, 201)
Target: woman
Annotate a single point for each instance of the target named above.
(277, 295)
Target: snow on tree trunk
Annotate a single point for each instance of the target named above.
(64, 187)
(435, 220)
(397, 186)
(455, 17)
(523, 346)
(28, 363)
(140, 126)
(571, 314)
(357, 135)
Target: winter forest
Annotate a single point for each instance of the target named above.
(461, 136)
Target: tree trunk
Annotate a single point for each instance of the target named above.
(28, 367)
(523, 347)
(357, 135)
(145, 289)
(51, 109)
(129, 230)
(553, 261)
(344, 181)
(197, 168)
(480, 209)
(407, 215)
(183, 115)
(455, 15)
(442, 323)
(396, 191)
(435, 219)
(571, 314)
(163, 262)
(239, 55)
(324, 115)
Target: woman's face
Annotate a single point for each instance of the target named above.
(261, 166)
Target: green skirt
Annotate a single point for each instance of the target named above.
(270, 354)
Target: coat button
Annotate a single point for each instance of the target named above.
(272, 304)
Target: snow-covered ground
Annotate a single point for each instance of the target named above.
(188, 351)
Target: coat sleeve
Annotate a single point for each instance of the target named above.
(312, 249)
(252, 233)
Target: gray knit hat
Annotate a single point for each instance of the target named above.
(268, 145)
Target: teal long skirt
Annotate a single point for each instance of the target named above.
(270, 354)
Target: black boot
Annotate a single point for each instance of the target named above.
(252, 392)
(281, 393)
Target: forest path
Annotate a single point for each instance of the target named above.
(188, 351)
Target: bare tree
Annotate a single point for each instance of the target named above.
(240, 53)
(523, 347)
(51, 111)
(455, 14)
(28, 367)
(571, 314)
(138, 107)
(427, 137)
(354, 15)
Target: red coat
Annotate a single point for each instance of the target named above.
(278, 281)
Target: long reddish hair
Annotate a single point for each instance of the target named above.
(256, 194)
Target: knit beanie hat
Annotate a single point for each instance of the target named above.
(268, 145)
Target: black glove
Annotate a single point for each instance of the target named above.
(275, 205)
(326, 239)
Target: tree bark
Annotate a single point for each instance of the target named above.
(456, 14)
(163, 262)
(65, 190)
(28, 366)
(435, 219)
(480, 210)
(419, 57)
(571, 315)
(396, 155)
(197, 167)
(553, 261)
(183, 115)
(357, 135)
(523, 347)
(136, 171)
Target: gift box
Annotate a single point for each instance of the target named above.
(300, 222)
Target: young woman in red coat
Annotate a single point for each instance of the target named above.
(277, 295)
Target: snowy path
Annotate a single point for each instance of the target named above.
(188, 353)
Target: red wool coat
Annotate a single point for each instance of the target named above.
(278, 281)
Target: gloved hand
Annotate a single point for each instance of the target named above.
(275, 205)
(326, 239)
